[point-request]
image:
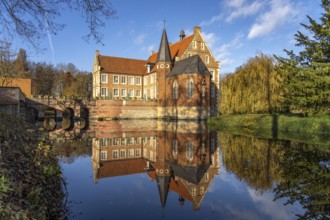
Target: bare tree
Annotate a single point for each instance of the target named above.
(33, 19)
(7, 66)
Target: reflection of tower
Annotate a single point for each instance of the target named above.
(163, 174)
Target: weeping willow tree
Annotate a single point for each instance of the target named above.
(255, 87)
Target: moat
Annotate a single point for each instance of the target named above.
(181, 170)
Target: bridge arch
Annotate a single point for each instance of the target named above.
(83, 119)
(49, 119)
(67, 119)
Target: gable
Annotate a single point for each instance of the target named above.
(191, 65)
(122, 65)
(176, 49)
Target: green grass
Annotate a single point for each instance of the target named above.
(306, 129)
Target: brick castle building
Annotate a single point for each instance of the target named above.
(182, 78)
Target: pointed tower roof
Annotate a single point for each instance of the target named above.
(164, 49)
(163, 183)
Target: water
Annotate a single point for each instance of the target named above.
(163, 170)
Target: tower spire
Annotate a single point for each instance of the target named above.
(164, 49)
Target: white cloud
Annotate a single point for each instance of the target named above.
(235, 3)
(210, 39)
(140, 39)
(212, 20)
(281, 12)
(240, 10)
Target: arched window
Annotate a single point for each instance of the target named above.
(190, 88)
(175, 93)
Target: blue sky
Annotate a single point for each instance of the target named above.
(235, 30)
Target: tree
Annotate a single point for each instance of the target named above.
(307, 74)
(7, 67)
(31, 20)
(21, 63)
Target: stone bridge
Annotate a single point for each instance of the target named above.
(42, 107)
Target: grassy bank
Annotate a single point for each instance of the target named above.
(31, 186)
(306, 129)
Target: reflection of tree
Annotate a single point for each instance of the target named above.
(256, 161)
(72, 149)
(306, 170)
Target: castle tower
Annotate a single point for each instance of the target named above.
(163, 67)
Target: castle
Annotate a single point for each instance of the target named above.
(181, 79)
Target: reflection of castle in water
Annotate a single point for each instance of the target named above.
(181, 157)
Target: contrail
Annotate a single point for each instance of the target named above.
(50, 41)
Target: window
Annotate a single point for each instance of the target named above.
(110, 141)
(137, 152)
(130, 152)
(212, 74)
(152, 78)
(131, 93)
(201, 190)
(115, 154)
(145, 79)
(115, 79)
(207, 60)
(194, 44)
(115, 141)
(203, 46)
(130, 140)
(104, 78)
(123, 93)
(151, 141)
(104, 92)
(193, 191)
(151, 155)
(138, 140)
(190, 88)
(138, 93)
(138, 80)
(123, 141)
(212, 90)
(206, 176)
(175, 90)
(122, 153)
(190, 151)
(103, 142)
(175, 149)
(152, 93)
(131, 80)
(123, 79)
(104, 155)
(189, 55)
(116, 92)
(145, 93)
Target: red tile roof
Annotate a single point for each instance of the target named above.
(176, 49)
(122, 65)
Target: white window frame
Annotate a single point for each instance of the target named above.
(123, 80)
(136, 93)
(105, 79)
(131, 93)
(190, 88)
(116, 141)
(106, 92)
(123, 93)
(152, 79)
(123, 153)
(130, 152)
(189, 151)
(194, 44)
(115, 154)
(103, 142)
(131, 80)
(202, 45)
(138, 80)
(152, 92)
(115, 79)
(137, 152)
(207, 59)
(114, 93)
(104, 155)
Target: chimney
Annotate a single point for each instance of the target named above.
(197, 30)
(152, 52)
(97, 53)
